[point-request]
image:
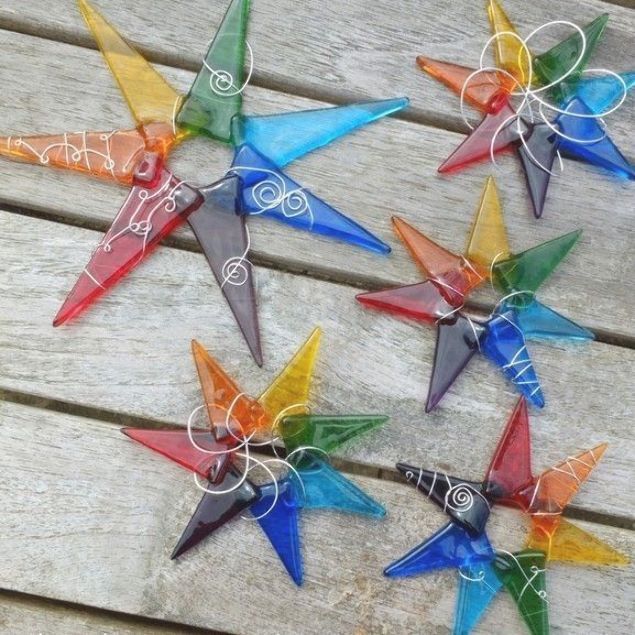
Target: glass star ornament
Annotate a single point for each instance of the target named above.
(463, 542)
(536, 140)
(281, 412)
(451, 278)
(159, 201)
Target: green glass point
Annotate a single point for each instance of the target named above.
(325, 432)
(525, 272)
(523, 575)
(216, 94)
(555, 62)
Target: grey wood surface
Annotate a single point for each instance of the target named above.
(89, 518)
(369, 176)
(99, 515)
(130, 355)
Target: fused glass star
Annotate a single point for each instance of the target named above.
(158, 201)
(450, 279)
(222, 455)
(537, 137)
(463, 543)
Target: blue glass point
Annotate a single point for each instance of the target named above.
(280, 524)
(602, 93)
(271, 193)
(603, 152)
(284, 137)
(452, 546)
(325, 488)
(478, 585)
(504, 344)
(538, 321)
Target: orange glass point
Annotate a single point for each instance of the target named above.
(228, 407)
(554, 488)
(455, 275)
(486, 90)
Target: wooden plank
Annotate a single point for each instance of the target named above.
(311, 48)
(74, 91)
(130, 355)
(99, 515)
(23, 614)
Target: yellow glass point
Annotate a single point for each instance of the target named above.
(289, 392)
(488, 239)
(149, 96)
(227, 405)
(510, 54)
(571, 544)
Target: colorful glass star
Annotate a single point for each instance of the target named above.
(451, 278)
(463, 543)
(536, 137)
(159, 202)
(281, 412)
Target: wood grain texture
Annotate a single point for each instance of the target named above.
(311, 49)
(23, 614)
(391, 164)
(99, 515)
(130, 355)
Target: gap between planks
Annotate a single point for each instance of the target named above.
(350, 279)
(347, 466)
(72, 618)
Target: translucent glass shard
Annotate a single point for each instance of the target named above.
(216, 94)
(537, 155)
(540, 322)
(279, 521)
(504, 344)
(156, 205)
(215, 510)
(323, 487)
(571, 544)
(452, 546)
(454, 275)
(288, 394)
(210, 462)
(601, 93)
(285, 137)
(554, 489)
(510, 469)
(457, 342)
(510, 54)
(488, 238)
(523, 575)
(269, 192)
(478, 585)
(494, 134)
(487, 90)
(149, 96)
(526, 271)
(591, 142)
(462, 500)
(572, 54)
(228, 407)
(422, 301)
(219, 226)
(112, 155)
(325, 432)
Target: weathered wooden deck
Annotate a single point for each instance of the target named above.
(88, 521)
